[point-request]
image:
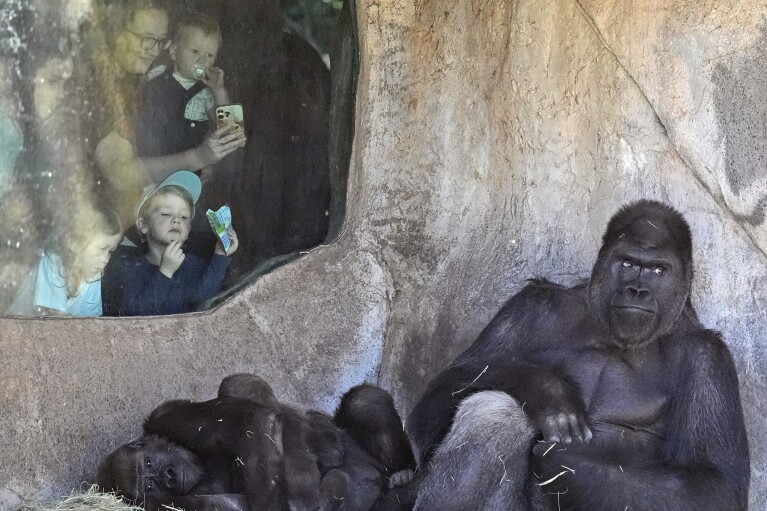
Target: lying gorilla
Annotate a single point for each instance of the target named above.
(244, 450)
(635, 404)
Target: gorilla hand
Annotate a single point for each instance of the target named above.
(401, 478)
(558, 413)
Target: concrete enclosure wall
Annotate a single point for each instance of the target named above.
(494, 138)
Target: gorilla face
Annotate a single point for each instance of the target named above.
(152, 467)
(643, 286)
(641, 279)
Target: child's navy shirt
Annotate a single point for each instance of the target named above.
(132, 286)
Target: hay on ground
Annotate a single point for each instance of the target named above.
(90, 500)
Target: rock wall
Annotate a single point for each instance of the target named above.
(494, 138)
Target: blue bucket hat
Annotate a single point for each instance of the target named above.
(183, 179)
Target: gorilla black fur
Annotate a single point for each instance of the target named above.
(632, 403)
(496, 433)
(245, 450)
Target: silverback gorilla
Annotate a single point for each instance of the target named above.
(609, 395)
(244, 450)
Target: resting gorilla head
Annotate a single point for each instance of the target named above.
(641, 280)
(150, 466)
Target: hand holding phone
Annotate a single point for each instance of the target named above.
(230, 116)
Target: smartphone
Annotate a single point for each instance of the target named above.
(230, 115)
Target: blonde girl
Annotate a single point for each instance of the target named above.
(67, 279)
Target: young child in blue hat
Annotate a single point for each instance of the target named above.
(165, 280)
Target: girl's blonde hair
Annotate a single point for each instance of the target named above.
(73, 234)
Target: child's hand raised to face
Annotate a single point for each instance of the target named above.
(214, 78)
(171, 259)
(234, 243)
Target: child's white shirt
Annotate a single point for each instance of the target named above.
(198, 108)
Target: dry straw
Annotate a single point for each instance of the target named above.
(90, 500)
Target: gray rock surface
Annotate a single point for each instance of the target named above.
(493, 141)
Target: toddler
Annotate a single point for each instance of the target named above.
(165, 280)
(67, 279)
(176, 104)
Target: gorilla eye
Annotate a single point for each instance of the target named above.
(627, 264)
(658, 270)
(149, 486)
(148, 463)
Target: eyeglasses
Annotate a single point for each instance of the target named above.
(147, 43)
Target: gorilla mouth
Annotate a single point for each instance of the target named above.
(634, 308)
(182, 483)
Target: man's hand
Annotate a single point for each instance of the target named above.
(171, 259)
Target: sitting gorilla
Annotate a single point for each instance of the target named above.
(633, 404)
(244, 450)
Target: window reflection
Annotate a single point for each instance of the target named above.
(102, 100)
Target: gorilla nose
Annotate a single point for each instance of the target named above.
(638, 292)
(170, 478)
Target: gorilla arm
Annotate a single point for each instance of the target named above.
(251, 434)
(217, 502)
(266, 441)
(533, 320)
(706, 462)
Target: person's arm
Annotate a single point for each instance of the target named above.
(211, 282)
(50, 294)
(45, 311)
(215, 80)
(125, 171)
(213, 277)
(90, 302)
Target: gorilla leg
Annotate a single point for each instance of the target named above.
(368, 415)
(483, 462)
